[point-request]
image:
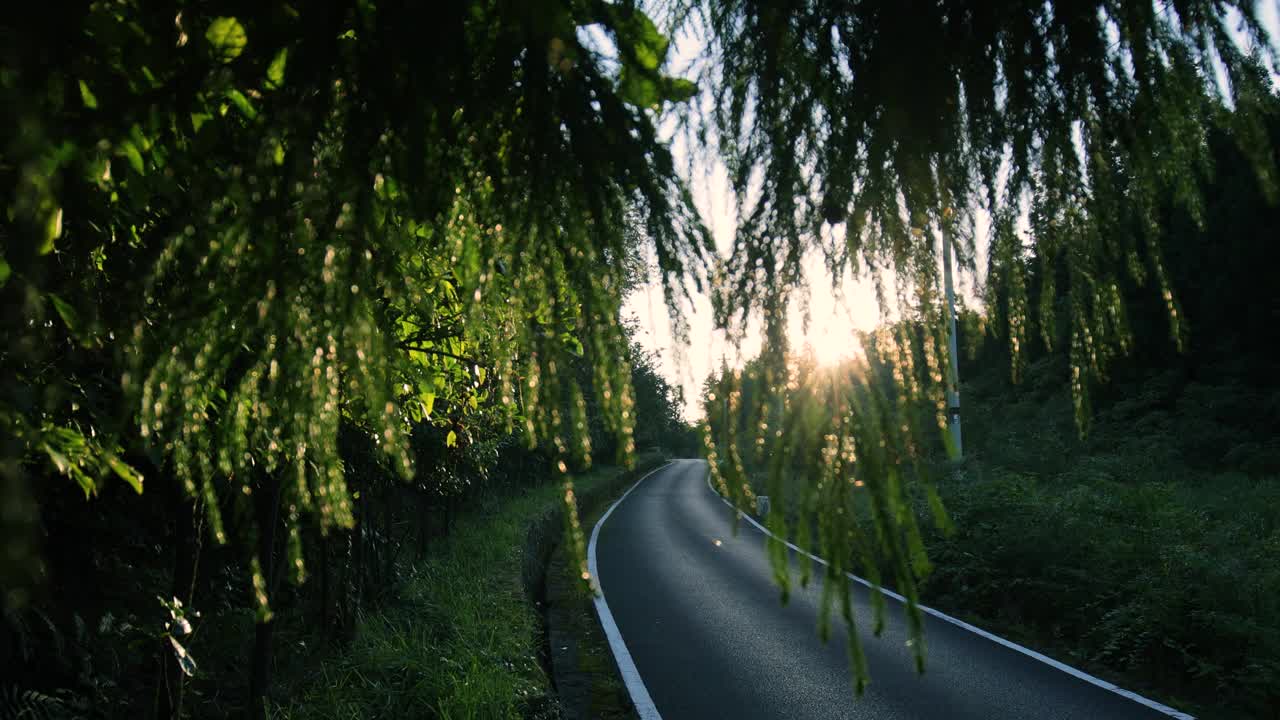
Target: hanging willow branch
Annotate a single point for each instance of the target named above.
(872, 131)
(284, 198)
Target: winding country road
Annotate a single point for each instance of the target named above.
(702, 622)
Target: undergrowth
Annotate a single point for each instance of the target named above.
(461, 640)
(1148, 550)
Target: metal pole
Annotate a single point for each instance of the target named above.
(953, 374)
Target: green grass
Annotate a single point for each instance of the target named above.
(460, 641)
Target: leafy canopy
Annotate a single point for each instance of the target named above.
(255, 227)
(872, 132)
(246, 227)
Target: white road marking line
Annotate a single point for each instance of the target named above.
(626, 666)
(1074, 672)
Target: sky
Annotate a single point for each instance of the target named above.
(835, 314)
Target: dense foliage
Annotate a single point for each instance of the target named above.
(1141, 551)
(1144, 553)
(270, 204)
(875, 133)
(1068, 123)
(248, 249)
(1147, 546)
(247, 252)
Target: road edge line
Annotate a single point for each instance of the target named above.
(640, 698)
(1055, 664)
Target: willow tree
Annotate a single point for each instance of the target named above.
(259, 220)
(252, 222)
(872, 132)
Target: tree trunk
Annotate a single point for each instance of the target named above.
(266, 505)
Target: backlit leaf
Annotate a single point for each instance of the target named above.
(134, 157)
(242, 103)
(275, 71)
(185, 661)
(639, 34)
(52, 231)
(126, 472)
(227, 38)
(58, 459)
(86, 95)
(66, 312)
(198, 119)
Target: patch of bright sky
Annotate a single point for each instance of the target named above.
(837, 311)
(835, 315)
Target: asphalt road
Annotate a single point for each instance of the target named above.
(709, 638)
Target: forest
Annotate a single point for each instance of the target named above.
(302, 303)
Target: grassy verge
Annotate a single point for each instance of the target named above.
(462, 640)
(588, 682)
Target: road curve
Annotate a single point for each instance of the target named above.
(709, 638)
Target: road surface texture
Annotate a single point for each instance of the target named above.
(709, 638)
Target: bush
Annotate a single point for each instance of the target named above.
(1147, 552)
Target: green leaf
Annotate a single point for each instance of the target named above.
(150, 77)
(52, 231)
(428, 402)
(643, 49)
(227, 38)
(637, 89)
(126, 472)
(198, 119)
(678, 89)
(572, 344)
(4, 271)
(86, 95)
(275, 71)
(84, 481)
(451, 440)
(134, 157)
(66, 312)
(242, 103)
(59, 460)
(637, 33)
(645, 89)
(140, 138)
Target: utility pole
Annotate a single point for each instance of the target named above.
(953, 369)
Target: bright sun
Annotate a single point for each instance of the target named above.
(835, 319)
